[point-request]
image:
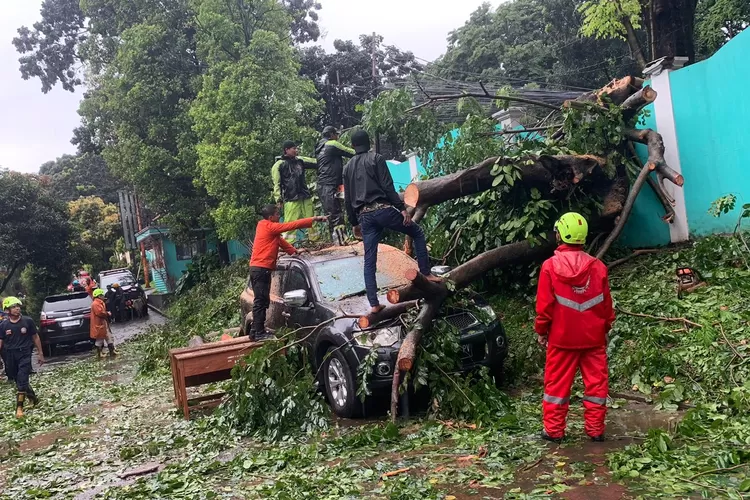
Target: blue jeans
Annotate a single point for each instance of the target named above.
(372, 225)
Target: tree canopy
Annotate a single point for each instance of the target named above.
(73, 176)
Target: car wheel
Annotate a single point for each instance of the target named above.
(497, 370)
(341, 385)
(50, 348)
(144, 312)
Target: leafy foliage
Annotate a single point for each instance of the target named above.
(210, 306)
(344, 78)
(81, 175)
(274, 396)
(34, 226)
(96, 226)
(717, 22)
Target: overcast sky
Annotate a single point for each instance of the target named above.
(37, 127)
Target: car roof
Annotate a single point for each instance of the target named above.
(123, 270)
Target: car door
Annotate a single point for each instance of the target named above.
(298, 317)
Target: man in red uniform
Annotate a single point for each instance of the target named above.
(266, 246)
(574, 315)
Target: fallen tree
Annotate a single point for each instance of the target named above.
(590, 158)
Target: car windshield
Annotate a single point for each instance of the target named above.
(123, 279)
(66, 302)
(343, 277)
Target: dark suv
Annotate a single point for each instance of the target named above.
(133, 295)
(307, 291)
(65, 319)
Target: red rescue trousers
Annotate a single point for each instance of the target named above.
(559, 372)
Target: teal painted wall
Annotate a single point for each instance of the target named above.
(712, 119)
(645, 228)
(237, 251)
(176, 267)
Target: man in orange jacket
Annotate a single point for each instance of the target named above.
(574, 315)
(266, 246)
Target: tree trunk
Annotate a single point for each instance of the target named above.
(633, 43)
(10, 276)
(673, 27)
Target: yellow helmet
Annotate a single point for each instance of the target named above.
(572, 228)
(98, 293)
(9, 302)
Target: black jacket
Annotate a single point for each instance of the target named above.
(367, 180)
(330, 155)
(288, 175)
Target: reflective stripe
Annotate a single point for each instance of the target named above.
(555, 400)
(595, 400)
(585, 306)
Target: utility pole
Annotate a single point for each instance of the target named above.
(144, 261)
(374, 83)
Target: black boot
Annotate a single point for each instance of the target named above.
(112, 352)
(20, 398)
(99, 351)
(598, 439)
(32, 397)
(551, 439)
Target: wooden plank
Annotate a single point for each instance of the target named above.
(211, 345)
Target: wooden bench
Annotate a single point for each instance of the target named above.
(204, 364)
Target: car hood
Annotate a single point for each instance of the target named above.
(355, 306)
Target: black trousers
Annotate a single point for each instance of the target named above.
(18, 367)
(260, 279)
(331, 205)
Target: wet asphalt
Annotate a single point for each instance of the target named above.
(122, 332)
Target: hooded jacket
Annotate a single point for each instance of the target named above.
(330, 155)
(99, 317)
(367, 180)
(573, 303)
(288, 176)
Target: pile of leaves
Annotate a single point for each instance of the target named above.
(273, 395)
(210, 306)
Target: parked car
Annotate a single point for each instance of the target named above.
(307, 291)
(65, 319)
(133, 294)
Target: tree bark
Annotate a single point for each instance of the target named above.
(633, 43)
(9, 276)
(629, 203)
(385, 314)
(673, 27)
(655, 146)
(559, 172)
(637, 101)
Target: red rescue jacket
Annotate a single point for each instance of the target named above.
(573, 300)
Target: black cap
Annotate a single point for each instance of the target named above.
(360, 138)
(287, 145)
(329, 130)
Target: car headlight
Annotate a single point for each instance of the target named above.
(489, 312)
(380, 336)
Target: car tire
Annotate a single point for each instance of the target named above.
(497, 370)
(49, 350)
(340, 384)
(144, 312)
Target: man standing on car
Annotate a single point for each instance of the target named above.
(99, 327)
(330, 154)
(266, 246)
(373, 205)
(18, 336)
(290, 186)
(574, 315)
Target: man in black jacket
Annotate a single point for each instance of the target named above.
(372, 205)
(330, 154)
(290, 186)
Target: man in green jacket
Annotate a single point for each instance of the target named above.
(330, 154)
(290, 189)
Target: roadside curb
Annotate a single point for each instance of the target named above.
(158, 311)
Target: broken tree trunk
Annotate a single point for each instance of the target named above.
(655, 145)
(627, 208)
(559, 171)
(637, 101)
(385, 314)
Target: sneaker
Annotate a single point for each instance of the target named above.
(597, 439)
(551, 439)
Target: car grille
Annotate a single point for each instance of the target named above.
(461, 321)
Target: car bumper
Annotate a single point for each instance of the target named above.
(483, 346)
(63, 336)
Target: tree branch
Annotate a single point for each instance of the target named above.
(448, 97)
(9, 276)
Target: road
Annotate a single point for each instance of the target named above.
(121, 332)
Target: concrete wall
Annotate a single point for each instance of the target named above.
(711, 102)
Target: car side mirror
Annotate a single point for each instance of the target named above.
(295, 298)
